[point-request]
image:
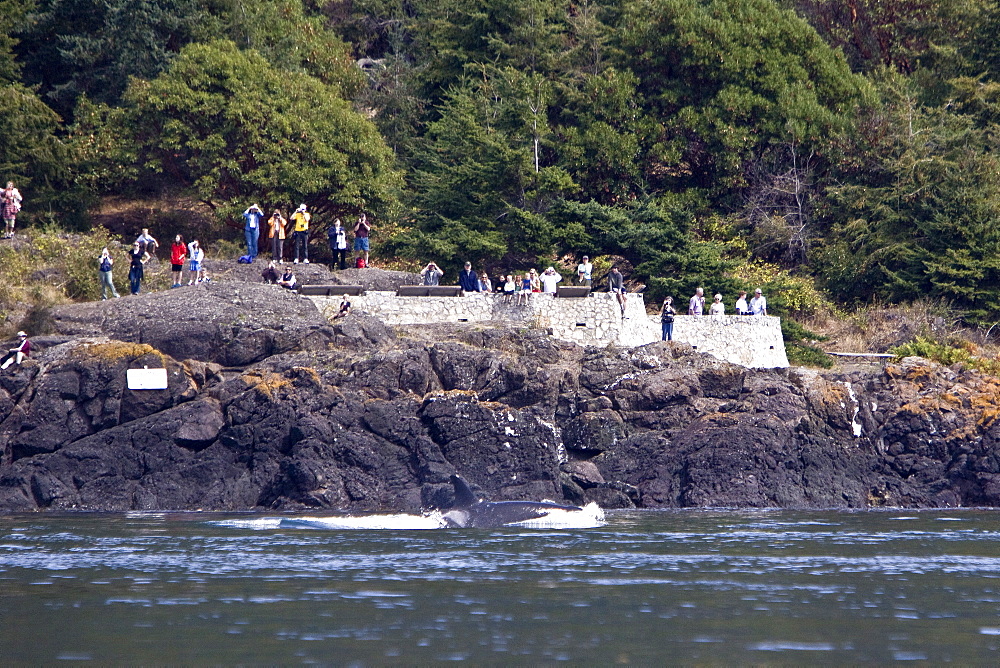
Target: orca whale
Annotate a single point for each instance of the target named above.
(469, 511)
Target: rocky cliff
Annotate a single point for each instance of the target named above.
(268, 406)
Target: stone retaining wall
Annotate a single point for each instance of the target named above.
(595, 320)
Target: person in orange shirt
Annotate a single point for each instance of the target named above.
(276, 233)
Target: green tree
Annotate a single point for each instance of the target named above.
(920, 215)
(727, 77)
(226, 126)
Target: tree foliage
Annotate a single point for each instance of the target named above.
(229, 127)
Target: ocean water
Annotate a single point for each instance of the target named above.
(641, 588)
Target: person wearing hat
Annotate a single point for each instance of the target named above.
(550, 279)
(717, 307)
(584, 271)
(758, 305)
(468, 279)
(252, 219)
(300, 234)
(18, 352)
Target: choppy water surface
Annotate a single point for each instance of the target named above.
(645, 588)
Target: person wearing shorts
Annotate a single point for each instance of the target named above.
(178, 251)
(197, 256)
(361, 233)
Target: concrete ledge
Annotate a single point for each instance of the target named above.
(331, 290)
(429, 291)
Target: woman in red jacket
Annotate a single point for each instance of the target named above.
(178, 251)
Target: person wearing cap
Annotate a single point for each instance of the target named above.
(758, 305)
(549, 280)
(717, 307)
(252, 218)
(18, 352)
(583, 271)
(468, 279)
(300, 234)
(362, 232)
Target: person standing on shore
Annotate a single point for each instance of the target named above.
(300, 235)
(432, 274)
(697, 304)
(252, 218)
(10, 206)
(276, 233)
(667, 319)
(105, 264)
(337, 236)
(362, 232)
(741, 304)
(550, 280)
(468, 279)
(178, 251)
(138, 257)
(758, 305)
(196, 256)
(717, 307)
(584, 271)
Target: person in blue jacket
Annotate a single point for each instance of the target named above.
(252, 219)
(468, 279)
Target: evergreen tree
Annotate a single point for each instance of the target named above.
(229, 128)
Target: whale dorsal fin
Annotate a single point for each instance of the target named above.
(463, 493)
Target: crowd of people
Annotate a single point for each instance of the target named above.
(696, 306)
(279, 228)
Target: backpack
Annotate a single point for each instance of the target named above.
(105, 265)
(360, 263)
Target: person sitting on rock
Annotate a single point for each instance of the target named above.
(432, 274)
(616, 286)
(288, 280)
(270, 275)
(18, 352)
(345, 308)
(148, 242)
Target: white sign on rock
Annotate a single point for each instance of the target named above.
(146, 379)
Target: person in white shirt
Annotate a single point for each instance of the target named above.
(583, 271)
(758, 305)
(549, 280)
(717, 307)
(741, 304)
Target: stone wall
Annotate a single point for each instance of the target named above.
(595, 320)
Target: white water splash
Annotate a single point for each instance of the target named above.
(590, 516)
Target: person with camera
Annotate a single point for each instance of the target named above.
(105, 263)
(337, 236)
(432, 274)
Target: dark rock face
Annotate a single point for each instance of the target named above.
(233, 324)
(360, 419)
